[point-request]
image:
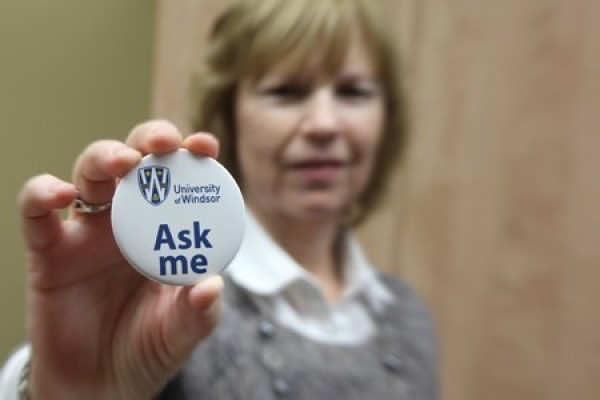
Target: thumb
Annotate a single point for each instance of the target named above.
(196, 313)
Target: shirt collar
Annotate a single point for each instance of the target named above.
(264, 268)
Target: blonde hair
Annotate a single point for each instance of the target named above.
(254, 35)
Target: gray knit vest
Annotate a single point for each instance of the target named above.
(250, 357)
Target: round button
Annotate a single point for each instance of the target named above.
(178, 218)
(281, 387)
(272, 359)
(266, 329)
(393, 363)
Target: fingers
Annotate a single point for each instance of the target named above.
(196, 314)
(202, 143)
(38, 201)
(202, 296)
(156, 136)
(161, 136)
(97, 168)
(102, 162)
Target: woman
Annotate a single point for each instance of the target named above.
(304, 96)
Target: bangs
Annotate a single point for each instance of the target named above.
(291, 32)
(254, 36)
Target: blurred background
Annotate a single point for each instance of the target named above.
(494, 216)
(70, 72)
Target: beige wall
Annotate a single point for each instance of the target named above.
(70, 72)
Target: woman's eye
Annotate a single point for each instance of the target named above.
(287, 91)
(355, 92)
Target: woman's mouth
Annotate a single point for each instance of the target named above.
(319, 171)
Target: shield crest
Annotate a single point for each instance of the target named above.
(154, 183)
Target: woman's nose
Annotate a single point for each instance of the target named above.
(321, 120)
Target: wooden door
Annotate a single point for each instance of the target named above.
(502, 227)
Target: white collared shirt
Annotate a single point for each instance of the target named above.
(288, 292)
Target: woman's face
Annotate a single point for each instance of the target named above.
(306, 144)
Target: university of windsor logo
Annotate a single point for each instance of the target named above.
(154, 183)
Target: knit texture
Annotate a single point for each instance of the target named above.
(250, 357)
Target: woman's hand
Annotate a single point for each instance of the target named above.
(98, 329)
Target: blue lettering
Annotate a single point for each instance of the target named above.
(163, 236)
(184, 239)
(179, 265)
(197, 264)
(201, 236)
(175, 264)
(173, 261)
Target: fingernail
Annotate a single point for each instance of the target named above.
(214, 282)
(121, 151)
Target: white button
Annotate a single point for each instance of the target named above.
(178, 218)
